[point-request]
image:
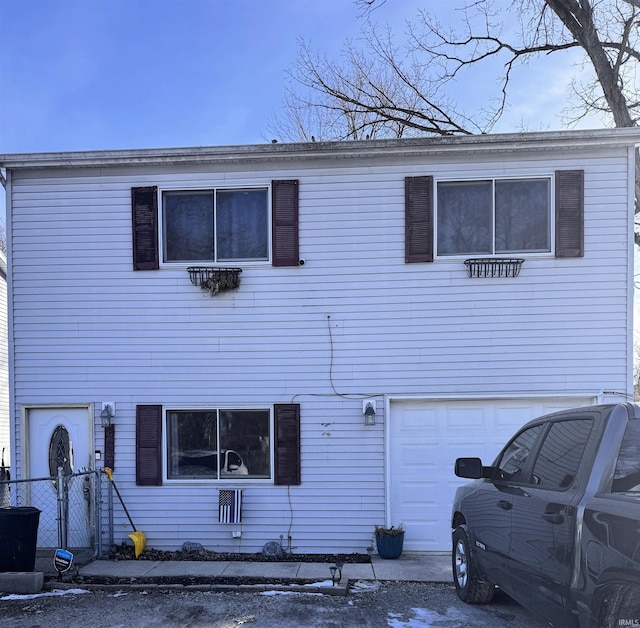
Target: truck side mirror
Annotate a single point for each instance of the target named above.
(469, 468)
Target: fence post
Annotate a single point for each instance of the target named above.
(5, 495)
(62, 511)
(98, 513)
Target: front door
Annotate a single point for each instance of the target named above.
(60, 437)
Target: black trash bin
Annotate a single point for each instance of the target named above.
(18, 538)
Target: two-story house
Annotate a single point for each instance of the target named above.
(324, 327)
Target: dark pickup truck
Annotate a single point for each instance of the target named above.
(555, 521)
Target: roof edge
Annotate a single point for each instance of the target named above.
(508, 142)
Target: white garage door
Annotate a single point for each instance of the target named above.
(425, 438)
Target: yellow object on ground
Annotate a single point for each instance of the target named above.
(138, 537)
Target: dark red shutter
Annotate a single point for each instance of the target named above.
(284, 208)
(144, 209)
(287, 443)
(418, 200)
(569, 213)
(110, 447)
(149, 445)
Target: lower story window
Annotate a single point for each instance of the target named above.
(219, 444)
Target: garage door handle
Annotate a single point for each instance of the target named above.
(553, 517)
(505, 505)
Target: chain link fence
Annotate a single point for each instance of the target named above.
(76, 510)
(5, 475)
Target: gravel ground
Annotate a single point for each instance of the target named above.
(368, 605)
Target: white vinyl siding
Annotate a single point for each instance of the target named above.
(354, 320)
(5, 442)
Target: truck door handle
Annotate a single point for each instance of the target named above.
(505, 505)
(553, 517)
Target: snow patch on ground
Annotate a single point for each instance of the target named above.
(363, 586)
(324, 583)
(290, 593)
(54, 593)
(427, 618)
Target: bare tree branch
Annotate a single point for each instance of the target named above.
(383, 90)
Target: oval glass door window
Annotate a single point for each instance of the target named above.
(60, 452)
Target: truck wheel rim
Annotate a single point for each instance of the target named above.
(461, 565)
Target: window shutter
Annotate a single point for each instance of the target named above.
(144, 209)
(109, 447)
(149, 445)
(284, 208)
(287, 443)
(418, 199)
(569, 213)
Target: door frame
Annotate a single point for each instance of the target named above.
(24, 430)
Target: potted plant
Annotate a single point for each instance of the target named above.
(389, 541)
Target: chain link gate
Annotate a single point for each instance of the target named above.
(76, 509)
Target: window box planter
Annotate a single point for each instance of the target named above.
(493, 267)
(214, 280)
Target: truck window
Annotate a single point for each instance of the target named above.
(557, 463)
(626, 477)
(511, 463)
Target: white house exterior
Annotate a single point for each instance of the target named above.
(5, 441)
(353, 289)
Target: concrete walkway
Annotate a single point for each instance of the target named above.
(225, 575)
(411, 567)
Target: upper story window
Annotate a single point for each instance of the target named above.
(493, 217)
(216, 225)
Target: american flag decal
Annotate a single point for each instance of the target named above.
(230, 506)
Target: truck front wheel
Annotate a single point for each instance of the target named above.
(469, 587)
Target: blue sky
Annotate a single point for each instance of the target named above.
(110, 74)
(94, 74)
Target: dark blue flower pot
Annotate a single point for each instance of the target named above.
(389, 545)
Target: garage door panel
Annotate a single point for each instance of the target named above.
(462, 420)
(417, 453)
(412, 421)
(425, 438)
(418, 492)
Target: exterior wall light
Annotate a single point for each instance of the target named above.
(369, 411)
(107, 414)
